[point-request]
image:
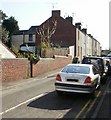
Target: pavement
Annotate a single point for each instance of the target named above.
(11, 84)
(103, 108)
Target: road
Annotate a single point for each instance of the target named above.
(36, 98)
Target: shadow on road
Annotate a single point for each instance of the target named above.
(51, 101)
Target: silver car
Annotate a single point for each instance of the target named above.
(79, 78)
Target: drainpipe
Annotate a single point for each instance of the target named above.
(23, 37)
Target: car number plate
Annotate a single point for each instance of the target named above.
(73, 80)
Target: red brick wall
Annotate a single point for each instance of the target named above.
(65, 34)
(14, 69)
(45, 65)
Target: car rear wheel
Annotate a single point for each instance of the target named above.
(59, 93)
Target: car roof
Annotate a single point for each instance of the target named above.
(93, 57)
(84, 65)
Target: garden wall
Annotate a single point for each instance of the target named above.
(48, 64)
(16, 69)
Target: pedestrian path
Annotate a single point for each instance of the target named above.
(11, 84)
(104, 105)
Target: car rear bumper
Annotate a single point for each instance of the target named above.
(74, 88)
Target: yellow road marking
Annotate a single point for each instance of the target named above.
(77, 116)
(92, 104)
(84, 107)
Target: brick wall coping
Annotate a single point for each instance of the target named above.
(58, 56)
(14, 58)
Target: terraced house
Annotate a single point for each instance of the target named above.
(69, 36)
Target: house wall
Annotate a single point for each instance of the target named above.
(64, 35)
(86, 44)
(83, 45)
(17, 40)
(17, 69)
(90, 46)
(98, 49)
(94, 47)
(72, 51)
(79, 44)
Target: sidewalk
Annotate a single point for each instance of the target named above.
(11, 84)
(104, 107)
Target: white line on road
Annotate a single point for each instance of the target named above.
(36, 97)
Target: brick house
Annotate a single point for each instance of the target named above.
(65, 34)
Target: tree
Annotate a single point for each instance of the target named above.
(2, 15)
(46, 31)
(11, 25)
(4, 35)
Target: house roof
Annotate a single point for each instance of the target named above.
(64, 35)
(31, 30)
(5, 52)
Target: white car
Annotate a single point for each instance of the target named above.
(79, 78)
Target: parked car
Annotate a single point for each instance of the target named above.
(107, 61)
(27, 47)
(78, 78)
(98, 61)
(109, 55)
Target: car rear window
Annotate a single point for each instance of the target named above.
(77, 69)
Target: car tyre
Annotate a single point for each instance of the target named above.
(59, 93)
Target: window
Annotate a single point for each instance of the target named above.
(30, 37)
(77, 69)
(95, 70)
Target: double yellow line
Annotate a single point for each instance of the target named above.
(89, 108)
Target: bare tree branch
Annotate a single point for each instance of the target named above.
(47, 30)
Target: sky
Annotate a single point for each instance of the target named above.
(93, 14)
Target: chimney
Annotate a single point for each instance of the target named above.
(70, 19)
(90, 35)
(56, 13)
(78, 25)
(84, 30)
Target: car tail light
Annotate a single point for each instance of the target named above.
(58, 77)
(87, 80)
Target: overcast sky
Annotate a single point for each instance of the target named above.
(93, 14)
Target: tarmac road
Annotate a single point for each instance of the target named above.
(46, 104)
